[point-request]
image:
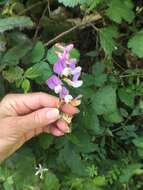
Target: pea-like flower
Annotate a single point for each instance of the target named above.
(65, 71)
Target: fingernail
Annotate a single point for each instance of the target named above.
(53, 115)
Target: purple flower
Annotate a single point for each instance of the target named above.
(54, 83)
(76, 73)
(59, 66)
(67, 71)
(64, 92)
(66, 49)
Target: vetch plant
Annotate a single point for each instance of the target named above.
(66, 74)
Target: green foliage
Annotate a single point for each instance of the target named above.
(15, 22)
(105, 149)
(107, 38)
(71, 3)
(121, 10)
(135, 43)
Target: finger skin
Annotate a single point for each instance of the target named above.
(63, 126)
(37, 119)
(53, 130)
(21, 104)
(69, 109)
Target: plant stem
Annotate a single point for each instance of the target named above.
(83, 23)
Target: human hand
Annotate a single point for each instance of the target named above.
(23, 116)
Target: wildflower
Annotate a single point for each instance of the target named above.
(55, 84)
(65, 71)
(40, 171)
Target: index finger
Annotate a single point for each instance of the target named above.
(27, 103)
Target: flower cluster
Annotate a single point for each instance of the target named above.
(65, 71)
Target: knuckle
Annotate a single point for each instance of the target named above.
(38, 118)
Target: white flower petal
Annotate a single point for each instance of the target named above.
(77, 84)
(58, 89)
(68, 98)
(67, 71)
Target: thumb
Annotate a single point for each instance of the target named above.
(38, 119)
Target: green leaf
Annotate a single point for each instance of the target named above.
(40, 71)
(126, 96)
(25, 85)
(15, 22)
(45, 72)
(107, 39)
(114, 117)
(120, 10)
(8, 186)
(13, 74)
(45, 141)
(91, 121)
(86, 145)
(13, 55)
(104, 101)
(23, 162)
(130, 171)
(72, 3)
(92, 4)
(75, 54)
(138, 142)
(51, 182)
(51, 55)
(37, 53)
(72, 159)
(136, 44)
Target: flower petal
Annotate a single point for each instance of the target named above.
(76, 73)
(59, 66)
(58, 89)
(72, 63)
(67, 71)
(53, 81)
(77, 84)
(64, 92)
(69, 47)
(68, 98)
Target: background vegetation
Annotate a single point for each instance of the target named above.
(105, 149)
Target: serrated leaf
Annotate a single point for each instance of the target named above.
(13, 55)
(136, 44)
(37, 53)
(72, 3)
(15, 22)
(92, 4)
(107, 39)
(13, 74)
(127, 97)
(120, 10)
